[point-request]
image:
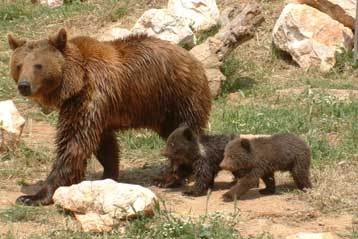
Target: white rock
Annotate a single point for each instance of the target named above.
(52, 3)
(111, 33)
(165, 25)
(99, 205)
(11, 124)
(204, 14)
(310, 36)
(311, 235)
(343, 11)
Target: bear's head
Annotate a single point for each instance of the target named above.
(237, 155)
(38, 66)
(181, 147)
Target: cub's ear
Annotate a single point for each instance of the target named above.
(245, 143)
(14, 42)
(59, 40)
(188, 134)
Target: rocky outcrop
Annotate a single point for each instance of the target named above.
(311, 37)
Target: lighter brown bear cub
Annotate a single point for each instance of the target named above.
(261, 157)
(100, 87)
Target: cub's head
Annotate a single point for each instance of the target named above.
(37, 66)
(181, 147)
(237, 155)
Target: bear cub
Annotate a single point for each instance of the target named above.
(261, 157)
(194, 155)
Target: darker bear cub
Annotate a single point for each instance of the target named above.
(262, 156)
(194, 155)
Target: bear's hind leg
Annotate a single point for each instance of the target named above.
(269, 180)
(108, 155)
(301, 176)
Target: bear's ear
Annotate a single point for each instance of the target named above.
(188, 134)
(245, 143)
(14, 42)
(59, 40)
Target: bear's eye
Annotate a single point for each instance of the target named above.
(18, 66)
(38, 66)
(172, 144)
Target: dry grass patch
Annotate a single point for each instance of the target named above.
(335, 188)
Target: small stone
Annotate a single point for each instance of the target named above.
(52, 3)
(11, 125)
(99, 205)
(309, 235)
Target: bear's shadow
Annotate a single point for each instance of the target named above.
(144, 176)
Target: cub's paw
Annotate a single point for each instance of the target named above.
(168, 182)
(267, 191)
(194, 193)
(228, 197)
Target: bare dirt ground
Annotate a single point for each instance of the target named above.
(279, 215)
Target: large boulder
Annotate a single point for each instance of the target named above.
(343, 11)
(311, 37)
(11, 125)
(165, 25)
(99, 205)
(204, 14)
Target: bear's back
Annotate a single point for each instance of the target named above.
(281, 151)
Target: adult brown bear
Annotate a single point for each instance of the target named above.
(99, 87)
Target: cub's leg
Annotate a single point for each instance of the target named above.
(245, 184)
(269, 180)
(301, 176)
(204, 175)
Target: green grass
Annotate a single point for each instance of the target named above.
(314, 118)
(18, 213)
(243, 75)
(168, 226)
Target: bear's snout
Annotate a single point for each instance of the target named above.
(24, 87)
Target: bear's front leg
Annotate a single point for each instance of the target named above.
(245, 184)
(75, 144)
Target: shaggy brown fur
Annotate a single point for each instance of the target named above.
(100, 87)
(197, 155)
(261, 157)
